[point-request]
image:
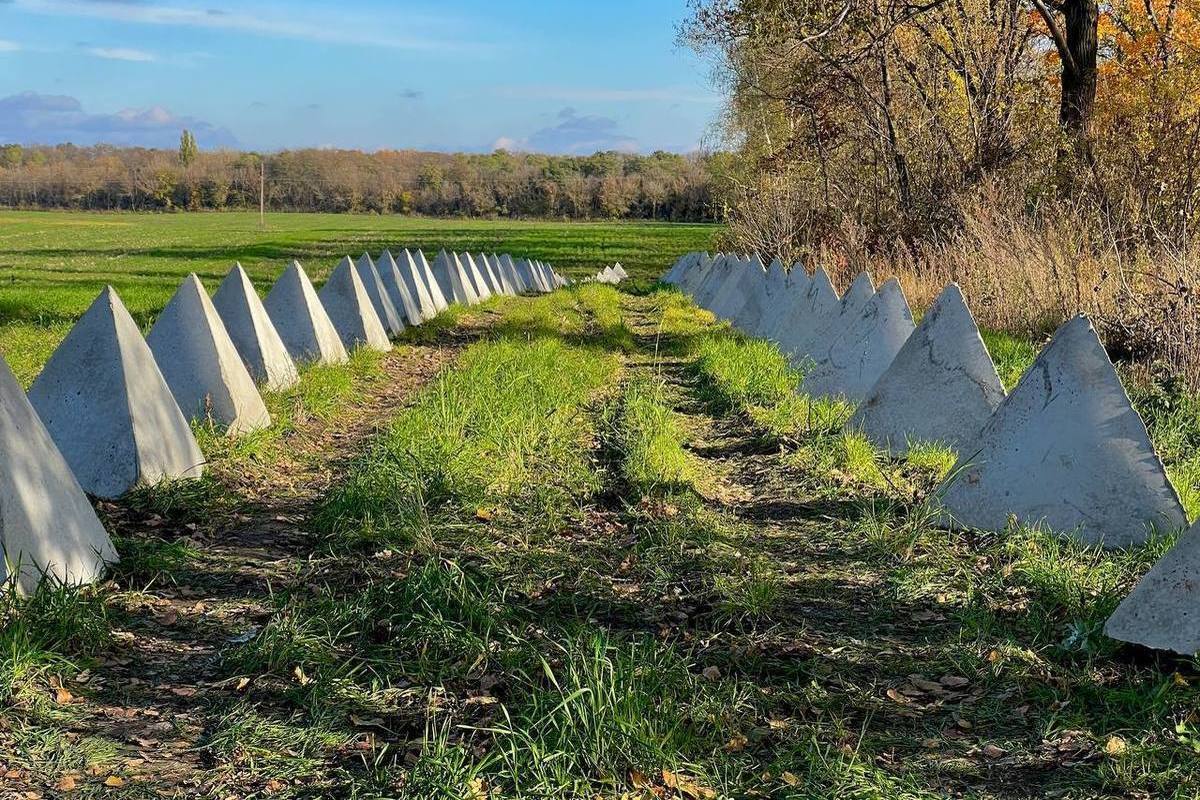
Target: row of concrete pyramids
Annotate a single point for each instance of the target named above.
(110, 410)
(612, 275)
(1065, 449)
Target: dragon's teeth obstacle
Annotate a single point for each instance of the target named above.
(432, 284)
(1163, 610)
(863, 349)
(473, 273)
(201, 365)
(797, 323)
(253, 333)
(941, 387)
(107, 406)
(1067, 450)
(350, 310)
(47, 526)
(407, 303)
(302, 321)
(378, 294)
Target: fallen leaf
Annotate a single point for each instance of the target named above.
(1179, 679)
(301, 678)
(687, 786)
(790, 779)
(1115, 746)
(737, 744)
(992, 751)
(638, 780)
(711, 673)
(183, 691)
(62, 696)
(897, 697)
(65, 784)
(114, 781)
(242, 683)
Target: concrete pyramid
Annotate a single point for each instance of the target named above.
(440, 269)
(620, 271)
(1066, 449)
(511, 274)
(793, 327)
(824, 330)
(350, 310)
(692, 277)
(685, 262)
(722, 272)
(478, 283)
(253, 334)
(425, 273)
(525, 272)
(453, 279)
(503, 277)
(47, 525)
(201, 365)
(107, 407)
(941, 387)
(490, 278)
(301, 319)
(403, 299)
(749, 316)
(850, 365)
(1163, 610)
(372, 281)
(746, 282)
(537, 278)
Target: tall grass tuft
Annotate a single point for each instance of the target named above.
(647, 438)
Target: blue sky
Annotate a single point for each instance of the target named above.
(565, 76)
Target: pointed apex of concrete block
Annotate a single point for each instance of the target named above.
(372, 281)
(201, 364)
(1068, 451)
(475, 277)
(301, 319)
(941, 387)
(860, 290)
(108, 408)
(850, 363)
(1161, 611)
(253, 334)
(47, 526)
(350, 310)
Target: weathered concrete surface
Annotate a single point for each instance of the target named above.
(795, 328)
(512, 274)
(201, 365)
(107, 407)
(502, 275)
(350, 310)
(620, 271)
(851, 364)
(253, 334)
(826, 328)
(941, 387)
(1066, 450)
(475, 275)
(455, 284)
(47, 525)
(749, 317)
(440, 268)
(372, 281)
(721, 274)
(425, 272)
(489, 274)
(695, 275)
(301, 319)
(403, 300)
(784, 304)
(1163, 610)
(745, 282)
(525, 272)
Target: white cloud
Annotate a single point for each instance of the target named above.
(7, 46)
(573, 134)
(121, 54)
(286, 22)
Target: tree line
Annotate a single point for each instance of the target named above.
(608, 185)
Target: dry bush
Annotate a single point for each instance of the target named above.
(1025, 271)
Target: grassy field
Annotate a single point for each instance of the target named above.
(52, 265)
(590, 544)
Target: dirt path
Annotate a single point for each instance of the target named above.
(158, 694)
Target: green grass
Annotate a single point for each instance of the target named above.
(647, 438)
(53, 264)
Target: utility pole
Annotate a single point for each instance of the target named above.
(262, 194)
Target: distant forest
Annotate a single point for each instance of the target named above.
(661, 186)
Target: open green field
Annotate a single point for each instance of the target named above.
(52, 265)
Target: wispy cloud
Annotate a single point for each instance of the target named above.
(121, 54)
(7, 46)
(663, 94)
(424, 32)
